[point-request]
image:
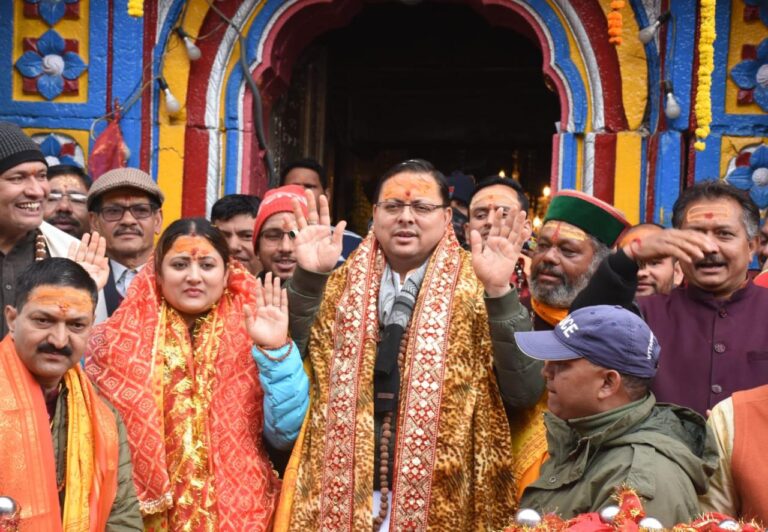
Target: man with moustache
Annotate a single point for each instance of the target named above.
(125, 205)
(707, 328)
(24, 236)
(578, 232)
(275, 229)
(64, 456)
(65, 206)
(407, 427)
(658, 276)
(234, 215)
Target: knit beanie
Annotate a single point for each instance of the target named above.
(278, 200)
(124, 178)
(17, 148)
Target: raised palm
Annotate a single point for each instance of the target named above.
(90, 253)
(267, 321)
(495, 259)
(317, 247)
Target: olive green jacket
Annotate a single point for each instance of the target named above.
(666, 453)
(125, 515)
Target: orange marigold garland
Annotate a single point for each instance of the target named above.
(706, 66)
(615, 22)
(136, 8)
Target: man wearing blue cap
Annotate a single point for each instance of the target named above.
(604, 427)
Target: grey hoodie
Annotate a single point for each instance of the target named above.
(666, 453)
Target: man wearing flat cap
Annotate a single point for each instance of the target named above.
(24, 236)
(578, 232)
(604, 427)
(125, 205)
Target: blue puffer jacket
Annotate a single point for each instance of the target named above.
(286, 395)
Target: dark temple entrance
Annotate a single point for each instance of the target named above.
(434, 81)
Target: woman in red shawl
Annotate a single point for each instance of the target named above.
(177, 360)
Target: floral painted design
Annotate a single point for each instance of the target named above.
(60, 149)
(755, 9)
(50, 65)
(751, 75)
(52, 11)
(753, 175)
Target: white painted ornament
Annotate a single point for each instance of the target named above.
(651, 523)
(527, 517)
(7, 506)
(729, 524)
(762, 76)
(608, 514)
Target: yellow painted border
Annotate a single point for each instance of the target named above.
(633, 65)
(578, 60)
(626, 191)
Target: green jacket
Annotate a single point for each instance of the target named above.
(666, 453)
(125, 515)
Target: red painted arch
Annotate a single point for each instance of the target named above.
(304, 21)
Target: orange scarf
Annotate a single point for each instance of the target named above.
(529, 435)
(127, 357)
(26, 454)
(552, 315)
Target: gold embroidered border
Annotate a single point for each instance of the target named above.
(337, 496)
(420, 410)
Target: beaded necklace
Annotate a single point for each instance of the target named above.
(40, 251)
(386, 435)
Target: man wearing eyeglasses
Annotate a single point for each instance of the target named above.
(65, 206)
(407, 428)
(125, 205)
(275, 228)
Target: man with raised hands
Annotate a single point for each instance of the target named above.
(407, 427)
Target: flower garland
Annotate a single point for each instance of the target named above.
(136, 8)
(615, 22)
(706, 66)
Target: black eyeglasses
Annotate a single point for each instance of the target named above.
(115, 213)
(74, 197)
(277, 235)
(418, 208)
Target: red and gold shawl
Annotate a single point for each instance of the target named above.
(143, 360)
(27, 463)
(453, 463)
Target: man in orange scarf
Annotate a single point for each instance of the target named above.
(578, 232)
(64, 456)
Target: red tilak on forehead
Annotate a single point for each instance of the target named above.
(63, 297)
(406, 186)
(564, 230)
(193, 245)
(708, 212)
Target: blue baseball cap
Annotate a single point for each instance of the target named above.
(608, 336)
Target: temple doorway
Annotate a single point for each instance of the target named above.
(434, 81)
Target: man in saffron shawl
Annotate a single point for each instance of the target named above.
(64, 455)
(407, 428)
